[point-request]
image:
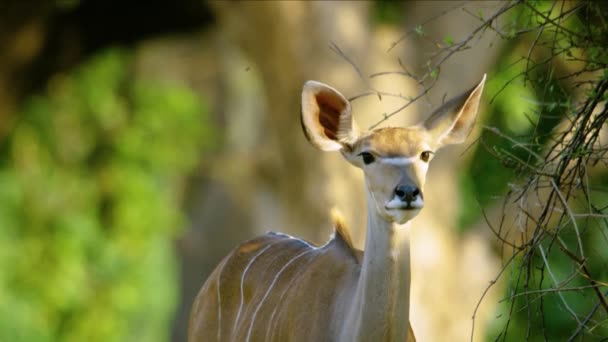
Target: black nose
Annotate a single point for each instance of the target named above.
(407, 193)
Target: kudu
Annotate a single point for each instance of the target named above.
(279, 288)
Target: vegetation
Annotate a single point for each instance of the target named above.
(89, 207)
(542, 147)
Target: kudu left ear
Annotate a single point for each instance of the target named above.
(453, 121)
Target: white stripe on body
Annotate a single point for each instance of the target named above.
(219, 301)
(238, 315)
(274, 311)
(298, 239)
(270, 288)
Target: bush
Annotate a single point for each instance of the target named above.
(89, 185)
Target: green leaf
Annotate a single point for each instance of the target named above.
(434, 73)
(448, 40)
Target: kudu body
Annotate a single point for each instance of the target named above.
(279, 288)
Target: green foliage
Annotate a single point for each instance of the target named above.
(388, 11)
(448, 40)
(539, 148)
(527, 103)
(514, 113)
(434, 73)
(89, 186)
(533, 309)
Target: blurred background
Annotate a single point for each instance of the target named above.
(141, 142)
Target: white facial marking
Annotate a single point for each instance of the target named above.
(405, 161)
(398, 161)
(397, 203)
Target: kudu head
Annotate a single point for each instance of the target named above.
(394, 160)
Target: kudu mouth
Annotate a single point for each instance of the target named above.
(405, 208)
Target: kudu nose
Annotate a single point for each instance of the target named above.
(407, 193)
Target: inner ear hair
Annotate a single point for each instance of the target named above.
(330, 108)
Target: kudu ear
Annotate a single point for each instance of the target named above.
(453, 121)
(326, 117)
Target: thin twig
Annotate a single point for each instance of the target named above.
(542, 253)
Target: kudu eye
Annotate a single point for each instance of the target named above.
(367, 157)
(425, 156)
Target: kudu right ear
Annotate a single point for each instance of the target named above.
(454, 120)
(326, 117)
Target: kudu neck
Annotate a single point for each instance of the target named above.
(380, 308)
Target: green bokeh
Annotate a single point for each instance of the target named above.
(529, 101)
(90, 187)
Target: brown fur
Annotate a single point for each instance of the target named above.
(393, 141)
(301, 302)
